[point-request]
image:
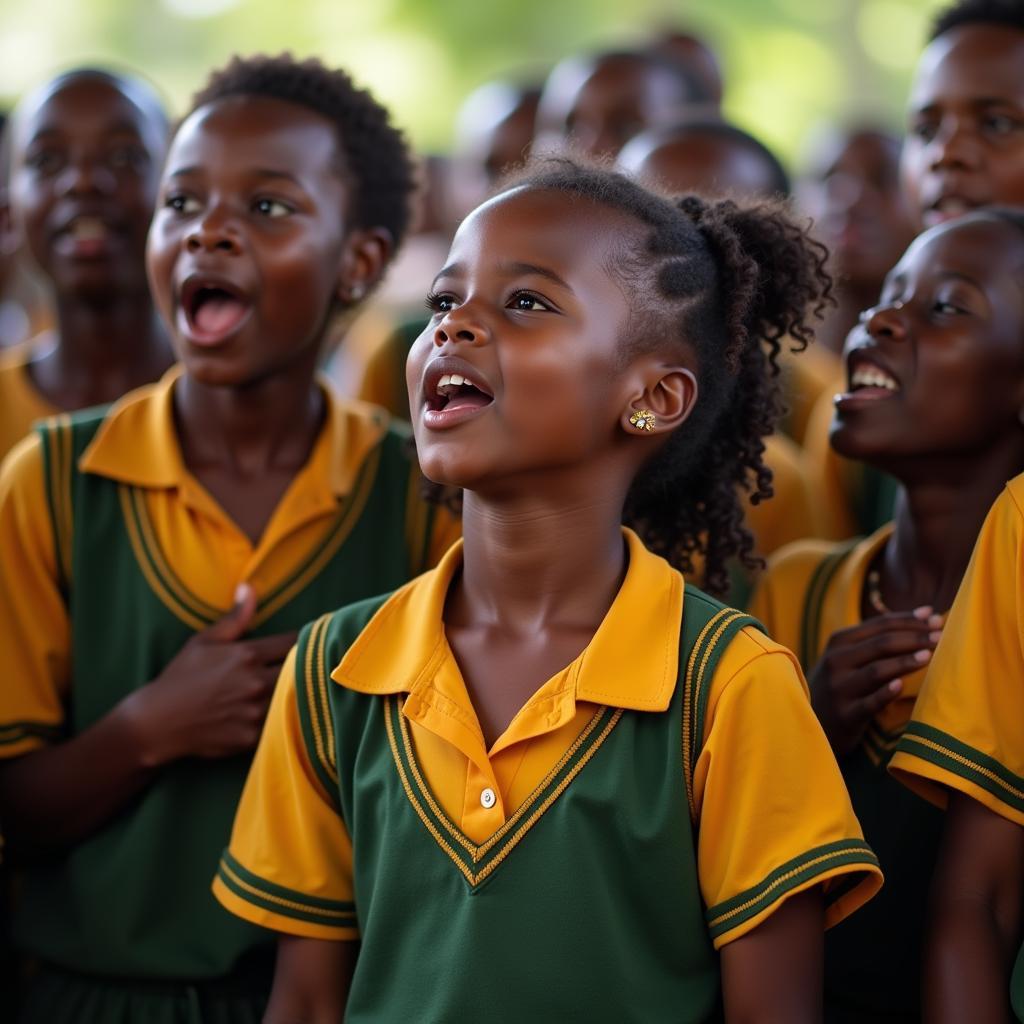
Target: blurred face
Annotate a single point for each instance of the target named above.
(84, 173)
(247, 253)
(597, 107)
(518, 370)
(937, 367)
(710, 164)
(859, 211)
(965, 137)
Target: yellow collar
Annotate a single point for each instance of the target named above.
(631, 662)
(137, 443)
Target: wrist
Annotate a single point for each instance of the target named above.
(142, 735)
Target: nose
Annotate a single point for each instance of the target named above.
(84, 175)
(213, 232)
(954, 147)
(460, 325)
(885, 321)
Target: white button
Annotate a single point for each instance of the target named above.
(488, 799)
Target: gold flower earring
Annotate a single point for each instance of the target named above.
(643, 419)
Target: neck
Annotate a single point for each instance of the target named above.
(939, 514)
(531, 562)
(269, 425)
(104, 350)
(851, 300)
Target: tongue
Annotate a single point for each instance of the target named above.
(219, 314)
(468, 400)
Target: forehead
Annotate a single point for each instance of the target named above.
(971, 62)
(697, 162)
(862, 152)
(984, 249)
(86, 105)
(570, 235)
(256, 132)
(618, 81)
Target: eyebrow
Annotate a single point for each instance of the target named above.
(514, 269)
(259, 172)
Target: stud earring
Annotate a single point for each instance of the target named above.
(357, 291)
(643, 419)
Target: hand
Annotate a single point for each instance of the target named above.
(862, 667)
(212, 698)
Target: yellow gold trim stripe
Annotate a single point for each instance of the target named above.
(477, 852)
(965, 761)
(347, 916)
(147, 571)
(317, 631)
(346, 523)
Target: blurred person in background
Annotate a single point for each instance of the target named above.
(85, 151)
(697, 55)
(964, 149)
(596, 103)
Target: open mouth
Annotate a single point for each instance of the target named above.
(869, 380)
(213, 309)
(948, 208)
(454, 391)
(85, 235)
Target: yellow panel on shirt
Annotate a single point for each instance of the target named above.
(967, 730)
(767, 788)
(20, 403)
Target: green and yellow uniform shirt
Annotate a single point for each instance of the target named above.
(810, 591)
(967, 729)
(112, 555)
(20, 403)
(656, 799)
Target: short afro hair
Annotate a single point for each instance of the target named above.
(1005, 13)
(376, 157)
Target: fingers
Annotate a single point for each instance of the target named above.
(877, 674)
(869, 706)
(271, 650)
(233, 625)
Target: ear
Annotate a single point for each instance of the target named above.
(365, 257)
(670, 393)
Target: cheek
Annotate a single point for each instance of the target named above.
(911, 168)
(162, 244)
(297, 282)
(1007, 168)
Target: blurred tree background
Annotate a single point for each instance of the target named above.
(790, 64)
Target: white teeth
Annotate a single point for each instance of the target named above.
(88, 229)
(457, 379)
(453, 380)
(443, 383)
(872, 377)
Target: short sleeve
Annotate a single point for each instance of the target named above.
(288, 866)
(774, 816)
(35, 631)
(967, 729)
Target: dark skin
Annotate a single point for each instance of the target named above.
(965, 124)
(852, 190)
(254, 200)
(597, 106)
(528, 309)
(976, 916)
(86, 154)
(703, 162)
(950, 324)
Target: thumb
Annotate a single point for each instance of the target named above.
(231, 626)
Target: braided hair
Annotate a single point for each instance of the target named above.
(733, 283)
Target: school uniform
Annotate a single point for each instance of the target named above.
(967, 730)
(112, 555)
(20, 403)
(656, 799)
(872, 961)
(805, 377)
